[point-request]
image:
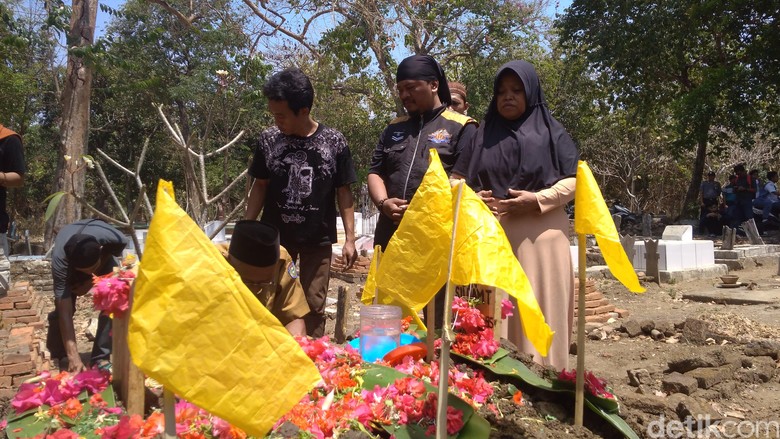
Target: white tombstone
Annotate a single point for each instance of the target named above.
(678, 233)
(209, 229)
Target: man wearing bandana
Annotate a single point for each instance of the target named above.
(269, 272)
(81, 249)
(400, 159)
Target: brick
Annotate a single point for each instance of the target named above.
(597, 318)
(623, 313)
(20, 379)
(709, 376)
(18, 368)
(8, 320)
(605, 309)
(594, 296)
(21, 331)
(21, 284)
(16, 357)
(7, 393)
(28, 319)
(23, 305)
(588, 312)
(676, 382)
(19, 313)
(596, 303)
(5, 382)
(16, 292)
(4, 306)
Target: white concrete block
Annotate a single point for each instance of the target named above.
(640, 256)
(705, 253)
(670, 255)
(688, 253)
(678, 233)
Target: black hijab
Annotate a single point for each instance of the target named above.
(425, 68)
(530, 153)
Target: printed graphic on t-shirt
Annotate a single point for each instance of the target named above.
(300, 178)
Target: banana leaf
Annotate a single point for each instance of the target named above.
(475, 426)
(504, 365)
(26, 424)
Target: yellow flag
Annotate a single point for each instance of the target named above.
(369, 289)
(484, 256)
(592, 217)
(414, 265)
(196, 328)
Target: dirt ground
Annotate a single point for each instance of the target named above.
(740, 397)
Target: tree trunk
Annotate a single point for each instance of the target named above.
(74, 127)
(690, 205)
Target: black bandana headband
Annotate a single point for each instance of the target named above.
(425, 68)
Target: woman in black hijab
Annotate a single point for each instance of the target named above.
(522, 162)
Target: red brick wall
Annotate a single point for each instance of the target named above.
(22, 337)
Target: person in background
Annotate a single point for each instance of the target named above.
(759, 184)
(12, 170)
(269, 272)
(458, 103)
(301, 168)
(729, 193)
(523, 163)
(745, 191)
(712, 222)
(771, 199)
(709, 194)
(81, 249)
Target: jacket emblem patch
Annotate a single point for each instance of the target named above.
(292, 270)
(397, 136)
(441, 136)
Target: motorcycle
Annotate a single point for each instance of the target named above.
(628, 219)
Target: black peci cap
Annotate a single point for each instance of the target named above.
(255, 243)
(82, 250)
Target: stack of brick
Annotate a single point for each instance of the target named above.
(35, 271)
(357, 273)
(597, 307)
(22, 333)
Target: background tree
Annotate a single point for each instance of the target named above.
(688, 65)
(74, 125)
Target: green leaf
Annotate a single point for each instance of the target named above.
(54, 201)
(512, 368)
(378, 375)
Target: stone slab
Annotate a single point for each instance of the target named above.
(678, 233)
(674, 276)
(736, 296)
(744, 251)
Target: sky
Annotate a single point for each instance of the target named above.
(103, 18)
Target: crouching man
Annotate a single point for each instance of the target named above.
(269, 272)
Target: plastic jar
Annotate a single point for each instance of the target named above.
(380, 330)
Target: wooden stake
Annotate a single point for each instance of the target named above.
(579, 400)
(169, 414)
(447, 335)
(341, 305)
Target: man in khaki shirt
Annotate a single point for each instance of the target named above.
(269, 272)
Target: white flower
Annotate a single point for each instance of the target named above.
(89, 162)
(222, 72)
(67, 158)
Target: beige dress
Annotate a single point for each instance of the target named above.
(541, 244)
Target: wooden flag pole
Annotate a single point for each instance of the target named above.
(447, 335)
(169, 414)
(378, 256)
(579, 400)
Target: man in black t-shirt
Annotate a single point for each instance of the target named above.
(300, 167)
(12, 171)
(81, 249)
